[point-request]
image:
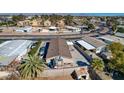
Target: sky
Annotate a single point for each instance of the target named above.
(74, 14)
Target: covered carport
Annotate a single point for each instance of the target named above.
(86, 45)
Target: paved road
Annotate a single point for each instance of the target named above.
(46, 36)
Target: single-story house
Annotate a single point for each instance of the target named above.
(83, 28)
(109, 39)
(91, 43)
(53, 28)
(73, 29)
(24, 29)
(13, 50)
(58, 52)
(119, 34)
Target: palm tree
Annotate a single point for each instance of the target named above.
(31, 67)
(97, 64)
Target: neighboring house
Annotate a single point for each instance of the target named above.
(47, 23)
(109, 39)
(58, 53)
(24, 29)
(83, 28)
(119, 34)
(13, 50)
(92, 44)
(53, 28)
(73, 29)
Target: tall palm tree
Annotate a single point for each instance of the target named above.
(31, 67)
(97, 64)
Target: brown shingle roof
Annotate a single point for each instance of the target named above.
(93, 41)
(58, 47)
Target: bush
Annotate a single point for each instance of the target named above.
(34, 49)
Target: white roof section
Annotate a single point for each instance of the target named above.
(9, 50)
(83, 26)
(119, 34)
(53, 27)
(86, 45)
(69, 43)
(27, 28)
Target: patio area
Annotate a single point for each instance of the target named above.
(78, 59)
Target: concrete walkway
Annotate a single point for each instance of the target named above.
(77, 57)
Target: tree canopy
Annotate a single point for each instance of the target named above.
(116, 47)
(17, 18)
(117, 62)
(91, 26)
(31, 67)
(97, 64)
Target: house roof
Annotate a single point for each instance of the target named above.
(119, 34)
(86, 45)
(10, 50)
(112, 38)
(93, 41)
(58, 47)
